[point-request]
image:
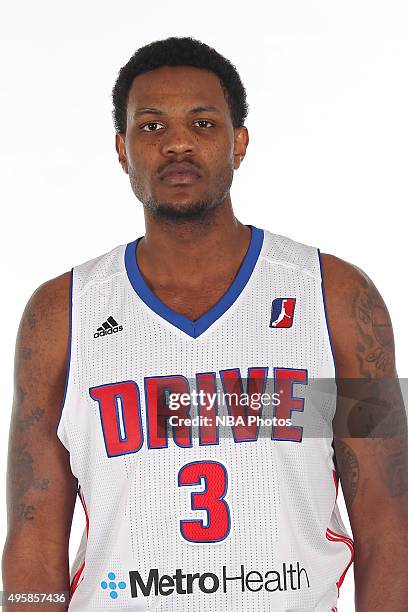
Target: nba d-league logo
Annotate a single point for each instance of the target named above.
(282, 312)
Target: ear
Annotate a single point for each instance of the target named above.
(241, 139)
(121, 150)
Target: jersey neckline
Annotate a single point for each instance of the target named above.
(195, 328)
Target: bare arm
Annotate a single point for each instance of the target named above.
(41, 489)
(370, 431)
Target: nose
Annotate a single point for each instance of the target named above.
(178, 139)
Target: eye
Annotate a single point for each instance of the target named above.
(149, 125)
(205, 121)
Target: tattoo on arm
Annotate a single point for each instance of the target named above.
(349, 468)
(28, 420)
(21, 473)
(384, 424)
(374, 329)
(374, 403)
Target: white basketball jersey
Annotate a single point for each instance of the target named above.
(191, 505)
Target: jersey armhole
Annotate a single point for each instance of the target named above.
(331, 350)
(69, 350)
(325, 314)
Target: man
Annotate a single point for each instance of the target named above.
(116, 359)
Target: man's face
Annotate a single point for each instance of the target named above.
(180, 148)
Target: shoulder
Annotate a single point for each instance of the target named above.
(49, 303)
(345, 285)
(343, 282)
(358, 319)
(43, 334)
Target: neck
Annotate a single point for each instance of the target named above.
(188, 253)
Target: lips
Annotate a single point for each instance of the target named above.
(181, 172)
(181, 178)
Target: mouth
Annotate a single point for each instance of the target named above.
(181, 178)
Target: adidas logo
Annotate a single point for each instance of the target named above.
(109, 327)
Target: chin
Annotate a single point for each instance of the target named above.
(181, 208)
(184, 211)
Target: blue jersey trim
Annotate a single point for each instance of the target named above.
(71, 282)
(200, 325)
(325, 314)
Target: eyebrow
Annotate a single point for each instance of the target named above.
(156, 111)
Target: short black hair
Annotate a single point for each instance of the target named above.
(179, 51)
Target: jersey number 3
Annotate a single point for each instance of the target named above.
(210, 499)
